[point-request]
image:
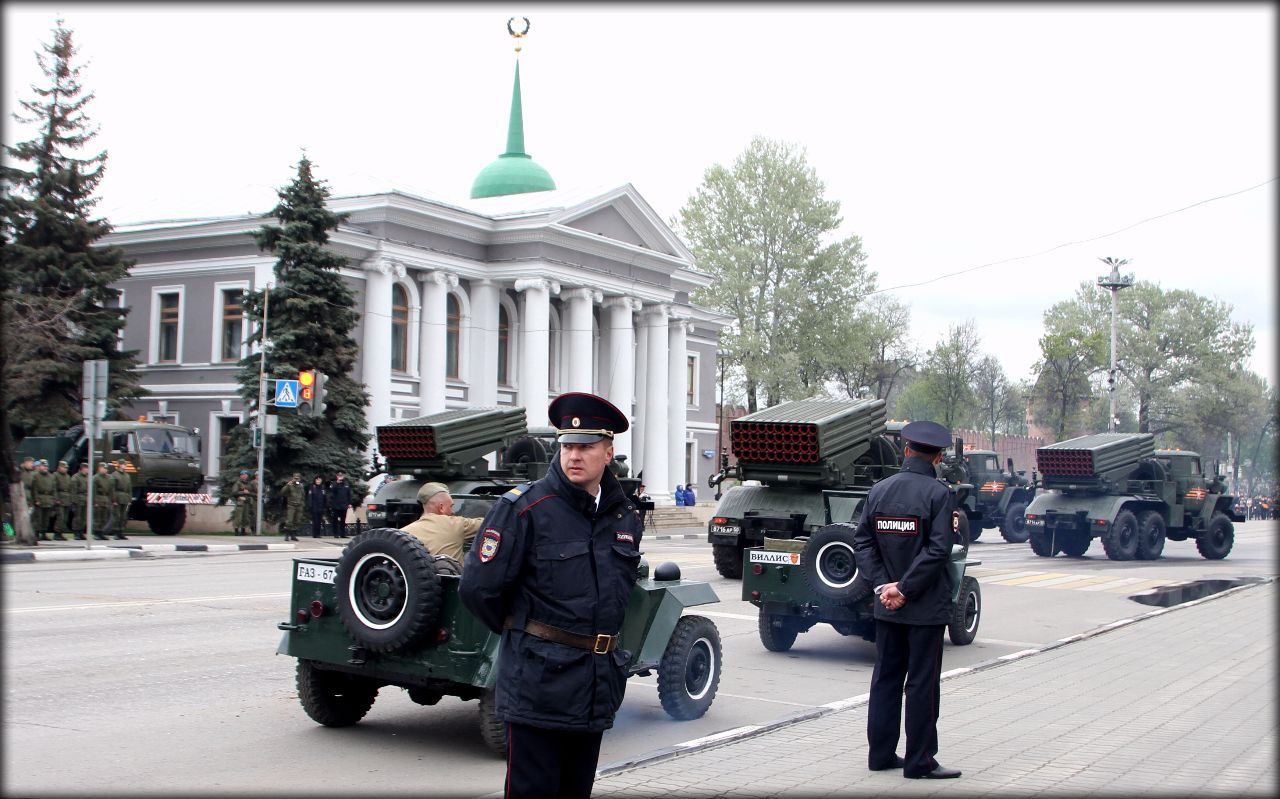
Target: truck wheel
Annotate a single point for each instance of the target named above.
(167, 519)
(387, 591)
(728, 558)
(1014, 529)
(1075, 543)
(1215, 543)
(829, 566)
(776, 633)
(1121, 541)
(332, 698)
(689, 671)
(1150, 535)
(492, 728)
(966, 614)
(1044, 544)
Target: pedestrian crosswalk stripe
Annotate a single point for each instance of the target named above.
(1123, 581)
(1031, 578)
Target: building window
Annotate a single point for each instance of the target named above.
(691, 380)
(232, 324)
(452, 337)
(399, 329)
(504, 346)
(169, 323)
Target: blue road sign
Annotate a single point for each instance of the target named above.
(286, 393)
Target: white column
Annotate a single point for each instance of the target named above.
(535, 338)
(484, 342)
(677, 392)
(433, 341)
(577, 329)
(618, 379)
(656, 465)
(640, 391)
(380, 273)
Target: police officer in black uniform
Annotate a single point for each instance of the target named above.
(902, 545)
(551, 569)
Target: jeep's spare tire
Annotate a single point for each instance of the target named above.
(386, 589)
(829, 567)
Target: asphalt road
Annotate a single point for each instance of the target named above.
(159, 676)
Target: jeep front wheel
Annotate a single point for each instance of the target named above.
(332, 698)
(1014, 529)
(689, 671)
(1121, 541)
(1216, 542)
(728, 559)
(492, 728)
(966, 614)
(776, 633)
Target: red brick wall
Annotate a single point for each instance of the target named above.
(1021, 448)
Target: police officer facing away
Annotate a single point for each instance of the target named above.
(902, 545)
(551, 569)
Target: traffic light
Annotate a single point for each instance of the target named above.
(306, 392)
(318, 393)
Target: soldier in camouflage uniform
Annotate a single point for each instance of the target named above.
(44, 500)
(294, 496)
(28, 472)
(245, 493)
(103, 493)
(79, 497)
(62, 511)
(123, 485)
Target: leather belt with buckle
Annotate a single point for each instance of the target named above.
(599, 644)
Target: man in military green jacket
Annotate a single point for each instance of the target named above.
(44, 500)
(28, 472)
(123, 497)
(245, 493)
(103, 495)
(294, 496)
(62, 510)
(79, 497)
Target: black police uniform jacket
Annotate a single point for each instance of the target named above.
(904, 536)
(547, 554)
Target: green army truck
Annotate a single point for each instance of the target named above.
(452, 447)
(999, 497)
(1119, 488)
(386, 613)
(162, 461)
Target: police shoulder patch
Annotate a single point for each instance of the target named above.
(516, 493)
(490, 540)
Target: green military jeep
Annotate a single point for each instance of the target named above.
(798, 580)
(386, 613)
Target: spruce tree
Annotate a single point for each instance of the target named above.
(61, 308)
(310, 313)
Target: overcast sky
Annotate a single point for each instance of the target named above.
(1019, 142)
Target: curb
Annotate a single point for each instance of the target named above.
(750, 731)
(131, 551)
(677, 537)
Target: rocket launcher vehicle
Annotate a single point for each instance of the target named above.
(809, 442)
(1094, 459)
(450, 444)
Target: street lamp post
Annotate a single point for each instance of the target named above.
(1113, 283)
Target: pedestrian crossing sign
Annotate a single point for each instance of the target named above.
(287, 393)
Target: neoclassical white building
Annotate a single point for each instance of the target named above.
(509, 297)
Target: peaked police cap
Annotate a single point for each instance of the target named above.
(927, 434)
(585, 418)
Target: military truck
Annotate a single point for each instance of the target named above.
(788, 455)
(451, 447)
(799, 579)
(1119, 488)
(162, 461)
(386, 613)
(1000, 498)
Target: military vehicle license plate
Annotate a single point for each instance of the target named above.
(724, 529)
(315, 573)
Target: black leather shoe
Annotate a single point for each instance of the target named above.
(938, 773)
(897, 763)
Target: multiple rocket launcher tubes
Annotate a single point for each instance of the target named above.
(1094, 455)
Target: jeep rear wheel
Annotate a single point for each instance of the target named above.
(387, 590)
(1150, 535)
(689, 671)
(492, 728)
(1216, 542)
(1121, 541)
(1043, 543)
(829, 566)
(332, 698)
(776, 632)
(728, 559)
(966, 614)
(1014, 529)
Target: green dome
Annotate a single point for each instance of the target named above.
(514, 172)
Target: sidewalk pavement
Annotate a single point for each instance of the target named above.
(1175, 701)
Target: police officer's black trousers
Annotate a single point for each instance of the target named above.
(910, 653)
(550, 764)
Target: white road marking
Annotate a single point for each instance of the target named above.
(143, 602)
(721, 615)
